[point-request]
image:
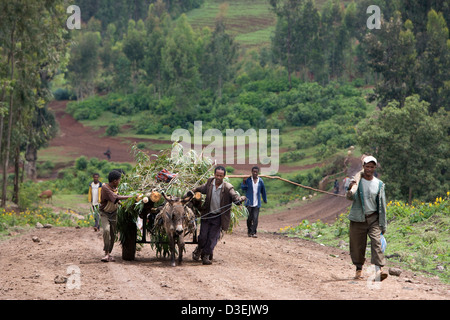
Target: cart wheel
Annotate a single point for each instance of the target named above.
(129, 245)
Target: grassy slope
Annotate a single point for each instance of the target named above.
(250, 21)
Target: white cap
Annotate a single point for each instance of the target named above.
(370, 159)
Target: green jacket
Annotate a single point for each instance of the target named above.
(357, 210)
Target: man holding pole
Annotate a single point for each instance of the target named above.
(367, 217)
(254, 188)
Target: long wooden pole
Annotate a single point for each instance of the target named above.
(288, 181)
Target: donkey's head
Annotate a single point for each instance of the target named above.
(175, 212)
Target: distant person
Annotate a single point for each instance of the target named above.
(108, 212)
(336, 186)
(254, 188)
(367, 218)
(94, 198)
(108, 154)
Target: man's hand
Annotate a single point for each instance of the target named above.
(243, 198)
(352, 183)
(190, 193)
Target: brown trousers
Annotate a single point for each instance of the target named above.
(358, 241)
(109, 226)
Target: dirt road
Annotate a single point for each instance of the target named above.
(270, 267)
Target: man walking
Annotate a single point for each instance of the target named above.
(215, 212)
(108, 212)
(367, 218)
(254, 188)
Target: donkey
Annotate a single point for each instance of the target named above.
(175, 215)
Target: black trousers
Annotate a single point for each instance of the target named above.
(252, 220)
(209, 234)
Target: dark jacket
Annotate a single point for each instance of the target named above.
(228, 196)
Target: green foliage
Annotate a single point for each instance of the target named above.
(122, 10)
(76, 179)
(26, 218)
(434, 64)
(83, 65)
(89, 109)
(112, 130)
(81, 163)
(311, 178)
(413, 147)
(292, 156)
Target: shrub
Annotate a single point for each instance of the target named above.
(81, 163)
(112, 130)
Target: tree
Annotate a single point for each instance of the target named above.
(42, 129)
(84, 63)
(308, 46)
(284, 41)
(134, 49)
(32, 44)
(334, 38)
(435, 63)
(158, 25)
(220, 56)
(412, 147)
(180, 65)
(392, 53)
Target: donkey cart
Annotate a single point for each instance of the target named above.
(162, 226)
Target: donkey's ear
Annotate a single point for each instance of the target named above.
(165, 197)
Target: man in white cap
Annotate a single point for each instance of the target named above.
(367, 218)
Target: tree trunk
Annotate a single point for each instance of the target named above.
(8, 138)
(30, 165)
(15, 197)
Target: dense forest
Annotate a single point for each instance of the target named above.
(143, 57)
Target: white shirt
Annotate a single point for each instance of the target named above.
(370, 190)
(215, 198)
(255, 192)
(95, 193)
